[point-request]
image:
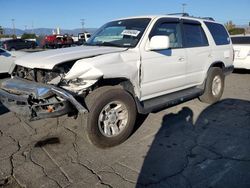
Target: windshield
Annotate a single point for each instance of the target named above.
(121, 33)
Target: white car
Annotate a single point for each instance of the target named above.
(241, 45)
(7, 58)
(129, 66)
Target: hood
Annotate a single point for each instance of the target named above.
(48, 59)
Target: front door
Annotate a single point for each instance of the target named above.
(163, 71)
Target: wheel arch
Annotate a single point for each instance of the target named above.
(122, 82)
(219, 64)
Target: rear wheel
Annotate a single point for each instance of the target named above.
(214, 86)
(111, 117)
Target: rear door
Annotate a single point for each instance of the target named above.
(198, 51)
(18, 44)
(24, 44)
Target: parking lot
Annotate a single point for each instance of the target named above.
(189, 145)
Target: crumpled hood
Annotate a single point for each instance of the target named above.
(48, 59)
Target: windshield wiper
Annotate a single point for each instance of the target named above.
(111, 44)
(104, 44)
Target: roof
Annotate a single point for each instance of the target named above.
(170, 16)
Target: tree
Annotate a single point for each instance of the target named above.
(236, 31)
(230, 25)
(28, 36)
(1, 30)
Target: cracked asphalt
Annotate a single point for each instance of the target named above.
(190, 145)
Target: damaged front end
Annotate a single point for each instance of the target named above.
(30, 94)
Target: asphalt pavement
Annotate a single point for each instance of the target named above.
(190, 145)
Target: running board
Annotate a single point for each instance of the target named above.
(168, 100)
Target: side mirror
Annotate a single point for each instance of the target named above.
(159, 42)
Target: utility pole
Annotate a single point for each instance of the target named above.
(183, 7)
(13, 25)
(32, 27)
(82, 23)
(1, 30)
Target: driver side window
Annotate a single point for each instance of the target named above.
(172, 30)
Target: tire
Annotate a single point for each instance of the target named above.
(100, 103)
(214, 86)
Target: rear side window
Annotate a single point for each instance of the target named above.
(194, 35)
(219, 33)
(240, 40)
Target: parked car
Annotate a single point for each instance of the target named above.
(83, 37)
(57, 41)
(241, 45)
(18, 44)
(7, 59)
(129, 66)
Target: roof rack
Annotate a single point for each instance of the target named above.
(181, 14)
(208, 18)
(187, 15)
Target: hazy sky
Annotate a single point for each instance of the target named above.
(67, 13)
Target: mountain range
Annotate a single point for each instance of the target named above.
(48, 31)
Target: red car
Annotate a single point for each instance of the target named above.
(57, 41)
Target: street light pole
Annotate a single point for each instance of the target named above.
(82, 22)
(183, 7)
(13, 24)
(32, 26)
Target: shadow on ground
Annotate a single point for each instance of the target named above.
(48, 141)
(241, 71)
(210, 152)
(3, 110)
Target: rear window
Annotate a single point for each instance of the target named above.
(240, 40)
(194, 35)
(219, 33)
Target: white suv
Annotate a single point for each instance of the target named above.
(129, 66)
(241, 45)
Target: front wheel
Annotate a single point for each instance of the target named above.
(111, 117)
(214, 86)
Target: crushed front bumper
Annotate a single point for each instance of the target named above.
(37, 101)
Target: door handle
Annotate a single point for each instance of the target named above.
(181, 59)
